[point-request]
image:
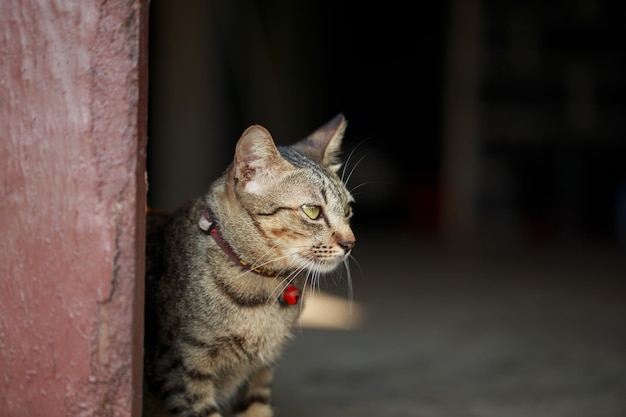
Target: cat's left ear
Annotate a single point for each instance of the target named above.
(258, 164)
(324, 145)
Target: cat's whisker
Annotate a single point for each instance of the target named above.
(345, 164)
(318, 275)
(309, 266)
(315, 278)
(346, 263)
(284, 283)
(309, 281)
(306, 280)
(258, 265)
(348, 159)
(347, 180)
(360, 185)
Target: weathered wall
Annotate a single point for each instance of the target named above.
(72, 193)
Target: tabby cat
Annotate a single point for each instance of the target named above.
(226, 270)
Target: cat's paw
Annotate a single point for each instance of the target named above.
(257, 410)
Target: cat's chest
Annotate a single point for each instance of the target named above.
(264, 330)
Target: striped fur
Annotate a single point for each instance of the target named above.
(215, 331)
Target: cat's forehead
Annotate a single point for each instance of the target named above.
(306, 164)
(297, 158)
(312, 182)
(315, 185)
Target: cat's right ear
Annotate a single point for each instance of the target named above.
(324, 144)
(257, 164)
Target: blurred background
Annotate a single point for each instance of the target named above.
(488, 147)
(504, 119)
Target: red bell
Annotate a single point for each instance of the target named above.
(291, 295)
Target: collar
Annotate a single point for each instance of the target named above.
(208, 225)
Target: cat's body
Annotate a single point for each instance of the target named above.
(225, 270)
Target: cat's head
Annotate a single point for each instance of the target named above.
(295, 197)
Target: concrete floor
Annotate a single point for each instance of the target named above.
(497, 331)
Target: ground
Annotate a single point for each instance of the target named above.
(498, 330)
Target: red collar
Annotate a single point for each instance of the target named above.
(291, 294)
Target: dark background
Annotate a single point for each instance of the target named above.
(491, 190)
(543, 96)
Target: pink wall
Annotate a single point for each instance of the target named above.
(73, 91)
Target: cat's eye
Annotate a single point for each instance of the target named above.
(347, 210)
(313, 212)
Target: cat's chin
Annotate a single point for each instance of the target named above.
(325, 265)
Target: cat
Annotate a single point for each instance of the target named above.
(226, 271)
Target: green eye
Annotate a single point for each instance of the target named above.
(346, 210)
(313, 212)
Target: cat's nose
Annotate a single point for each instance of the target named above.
(346, 245)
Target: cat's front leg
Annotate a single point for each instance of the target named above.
(193, 402)
(258, 398)
(189, 392)
(257, 410)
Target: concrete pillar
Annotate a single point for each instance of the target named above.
(73, 91)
